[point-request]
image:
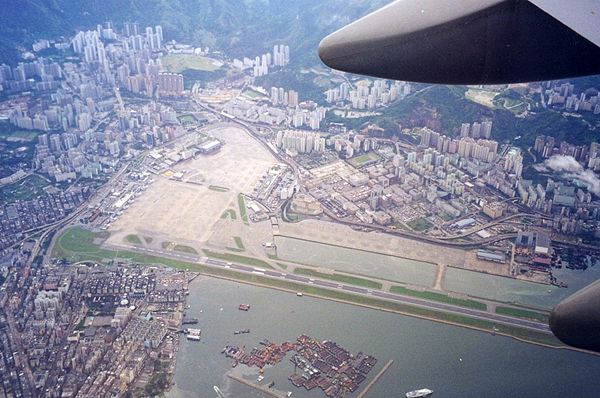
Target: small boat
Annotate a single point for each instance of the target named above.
(244, 307)
(289, 394)
(423, 392)
(271, 384)
(299, 294)
(260, 378)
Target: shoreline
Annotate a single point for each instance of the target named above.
(405, 313)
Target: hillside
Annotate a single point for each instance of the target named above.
(239, 27)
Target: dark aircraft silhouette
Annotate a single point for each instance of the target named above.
(470, 41)
(482, 42)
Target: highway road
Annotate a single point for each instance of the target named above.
(392, 297)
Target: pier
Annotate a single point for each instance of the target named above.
(376, 378)
(258, 387)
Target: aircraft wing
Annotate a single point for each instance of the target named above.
(583, 16)
(470, 41)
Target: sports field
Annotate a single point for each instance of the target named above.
(363, 160)
(178, 63)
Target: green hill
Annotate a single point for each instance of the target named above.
(239, 27)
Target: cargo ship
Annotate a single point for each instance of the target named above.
(423, 392)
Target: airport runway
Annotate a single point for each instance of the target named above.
(414, 301)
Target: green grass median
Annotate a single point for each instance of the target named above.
(236, 258)
(351, 280)
(443, 298)
(521, 313)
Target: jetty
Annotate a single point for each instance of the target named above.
(376, 378)
(263, 389)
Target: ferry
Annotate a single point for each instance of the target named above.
(423, 392)
(194, 334)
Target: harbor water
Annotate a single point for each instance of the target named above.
(452, 361)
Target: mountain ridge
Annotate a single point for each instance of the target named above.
(240, 28)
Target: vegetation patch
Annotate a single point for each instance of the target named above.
(439, 297)
(187, 119)
(352, 280)
(236, 258)
(185, 249)
(481, 97)
(24, 135)
(229, 214)
(239, 243)
(243, 211)
(157, 385)
(322, 81)
(26, 189)
(133, 239)
(419, 224)
(445, 216)
(218, 188)
(177, 63)
(165, 245)
(79, 244)
(303, 83)
(521, 313)
(364, 160)
(253, 94)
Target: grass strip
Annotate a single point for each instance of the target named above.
(520, 313)
(236, 258)
(352, 280)
(218, 188)
(229, 214)
(443, 298)
(185, 249)
(242, 206)
(239, 243)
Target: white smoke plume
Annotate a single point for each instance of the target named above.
(572, 169)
